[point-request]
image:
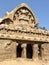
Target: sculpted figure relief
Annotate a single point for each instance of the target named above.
(24, 16)
(5, 43)
(20, 37)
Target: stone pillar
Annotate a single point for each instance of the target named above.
(23, 50)
(45, 51)
(39, 51)
(16, 49)
(35, 52)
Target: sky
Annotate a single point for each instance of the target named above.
(39, 7)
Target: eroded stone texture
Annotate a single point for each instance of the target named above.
(45, 51)
(35, 52)
(20, 37)
(7, 49)
(23, 50)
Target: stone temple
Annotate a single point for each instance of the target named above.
(21, 38)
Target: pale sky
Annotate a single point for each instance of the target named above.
(39, 7)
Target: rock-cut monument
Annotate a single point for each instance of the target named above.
(20, 37)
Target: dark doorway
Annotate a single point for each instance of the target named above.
(29, 51)
(19, 50)
(39, 50)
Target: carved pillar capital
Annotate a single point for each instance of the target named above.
(23, 45)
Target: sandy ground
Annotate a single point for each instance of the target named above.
(23, 62)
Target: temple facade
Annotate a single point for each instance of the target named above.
(21, 38)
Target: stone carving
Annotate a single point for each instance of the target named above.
(20, 37)
(24, 16)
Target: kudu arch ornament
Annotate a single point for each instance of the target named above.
(24, 15)
(20, 37)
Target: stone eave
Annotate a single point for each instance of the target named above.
(17, 37)
(25, 30)
(20, 35)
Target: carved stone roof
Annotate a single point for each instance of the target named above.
(23, 21)
(22, 13)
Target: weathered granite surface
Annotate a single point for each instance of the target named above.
(20, 37)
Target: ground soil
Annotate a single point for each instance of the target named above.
(23, 62)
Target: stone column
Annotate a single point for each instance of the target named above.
(45, 51)
(16, 49)
(40, 51)
(23, 50)
(35, 52)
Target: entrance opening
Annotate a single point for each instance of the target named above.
(39, 50)
(29, 51)
(19, 50)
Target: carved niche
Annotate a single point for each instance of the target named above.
(23, 15)
(6, 23)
